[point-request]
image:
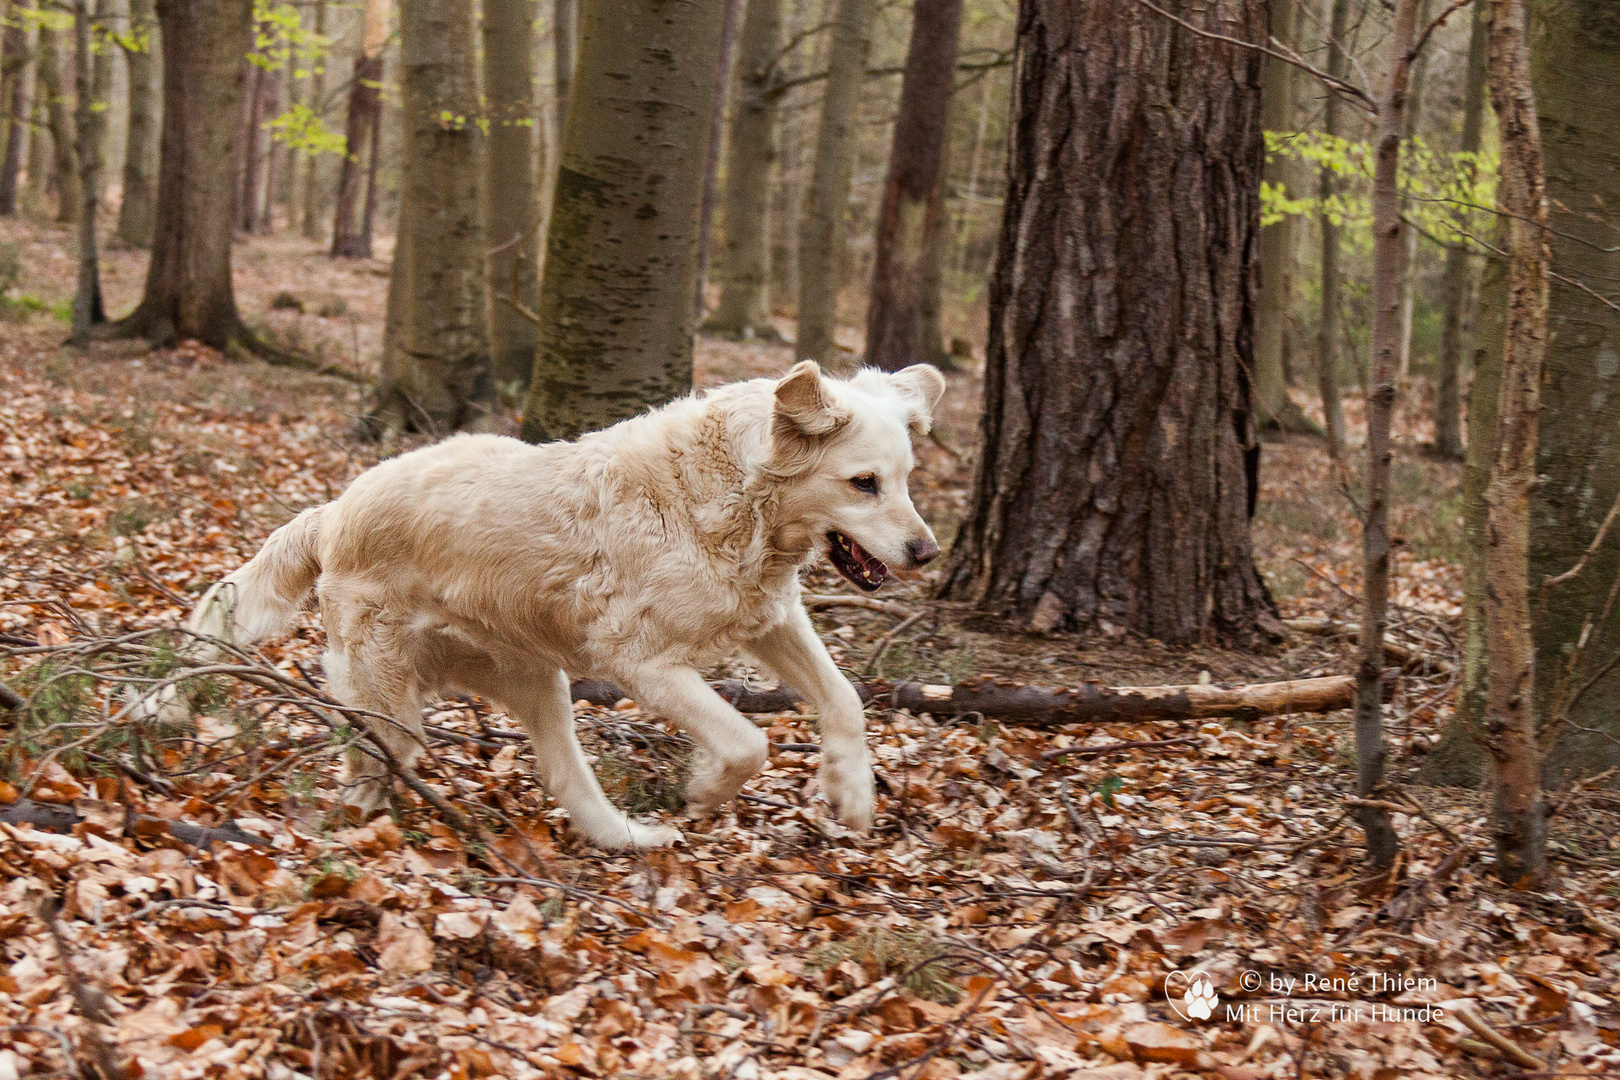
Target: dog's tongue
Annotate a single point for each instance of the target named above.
(873, 567)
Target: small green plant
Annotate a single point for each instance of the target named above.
(130, 517)
(643, 783)
(1105, 790)
(76, 489)
(907, 955)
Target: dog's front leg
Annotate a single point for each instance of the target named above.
(796, 654)
(730, 749)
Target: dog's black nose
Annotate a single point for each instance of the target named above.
(922, 551)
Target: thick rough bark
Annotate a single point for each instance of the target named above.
(907, 225)
(1519, 821)
(1327, 333)
(436, 377)
(1459, 270)
(188, 280)
(1119, 455)
(564, 53)
(1579, 455)
(512, 225)
(351, 231)
(1278, 243)
(1388, 266)
(615, 310)
(821, 230)
(65, 171)
(137, 213)
(744, 310)
(711, 162)
(89, 124)
(14, 95)
(312, 167)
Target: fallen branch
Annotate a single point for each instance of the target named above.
(870, 603)
(10, 699)
(1510, 1049)
(1404, 654)
(57, 818)
(1117, 747)
(1037, 706)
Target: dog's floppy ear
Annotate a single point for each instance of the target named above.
(804, 403)
(922, 386)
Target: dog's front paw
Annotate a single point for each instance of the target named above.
(848, 787)
(651, 836)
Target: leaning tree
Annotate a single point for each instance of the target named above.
(1119, 453)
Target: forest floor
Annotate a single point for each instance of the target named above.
(1031, 902)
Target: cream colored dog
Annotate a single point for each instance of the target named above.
(642, 554)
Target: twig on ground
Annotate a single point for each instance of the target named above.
(820, 602)
(873, 665)
(1117, 747)
(1510, 1049)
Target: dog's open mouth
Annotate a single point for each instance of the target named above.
(866, 570)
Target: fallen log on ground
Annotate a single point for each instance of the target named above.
(1037, 706)
(60, 818)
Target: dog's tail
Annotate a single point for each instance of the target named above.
(253, 602)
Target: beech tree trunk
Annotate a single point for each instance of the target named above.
(1519, 821)
(20, 65)
(351, 232)
(312, 167)
(247, 203)
(616, 316)
(564, 52)
(711, 163)
(136, 214)
(744, 310)
(1579, 447)
(64, 170)
(1119, 456)
(1327, 333)
(1454, 328)
(512, 224)
(1278, 242)
(188, 291)
(1409, 127)
(89, 124)
(908, 225)
(821, 230)
(436, 377)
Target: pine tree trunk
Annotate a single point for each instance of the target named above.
(437, 377)
(188, 291)
(19, 65)
(1388, 250)
(616, 289)
(895, 335)
(513, 225)
(351, 232)
(1579, 456)
(312, 167)
(1519, 821)
(89, 126)
(1278, 242)
(69, 197)
(821, 230)
(1119, 457)
(136, 215)
(1459, 265)
(1327, 333)
(744, 310)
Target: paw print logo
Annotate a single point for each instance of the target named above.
(1200, 997)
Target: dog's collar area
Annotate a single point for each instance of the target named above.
(860, 566)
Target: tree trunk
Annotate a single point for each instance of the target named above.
(40, 151)
(711, 163)
(437, 375)
(1327, 333)
(247, 203)
(621, 247)
(1278, 242)
(907, 225)
(188, 291)
(1388, 248)
(1579, 456)
(19, 65)
(512, 225)
(292, 191)
(745, 309)
(1119, 457)
(1519, 821)
(821, 230)
(136, 215)
(1459, 265)
(89, 125)
(1409, 130)
(565, 52)
(350, 236)
(69, 197)
(270, 107)
(312, 167)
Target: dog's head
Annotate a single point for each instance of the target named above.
(845, 448)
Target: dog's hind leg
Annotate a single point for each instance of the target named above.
(541, 703)
(365, 673)
(729, 748)
(797, 656)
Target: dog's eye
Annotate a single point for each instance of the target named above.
(867, 483)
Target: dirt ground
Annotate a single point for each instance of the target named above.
(1033, 902)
